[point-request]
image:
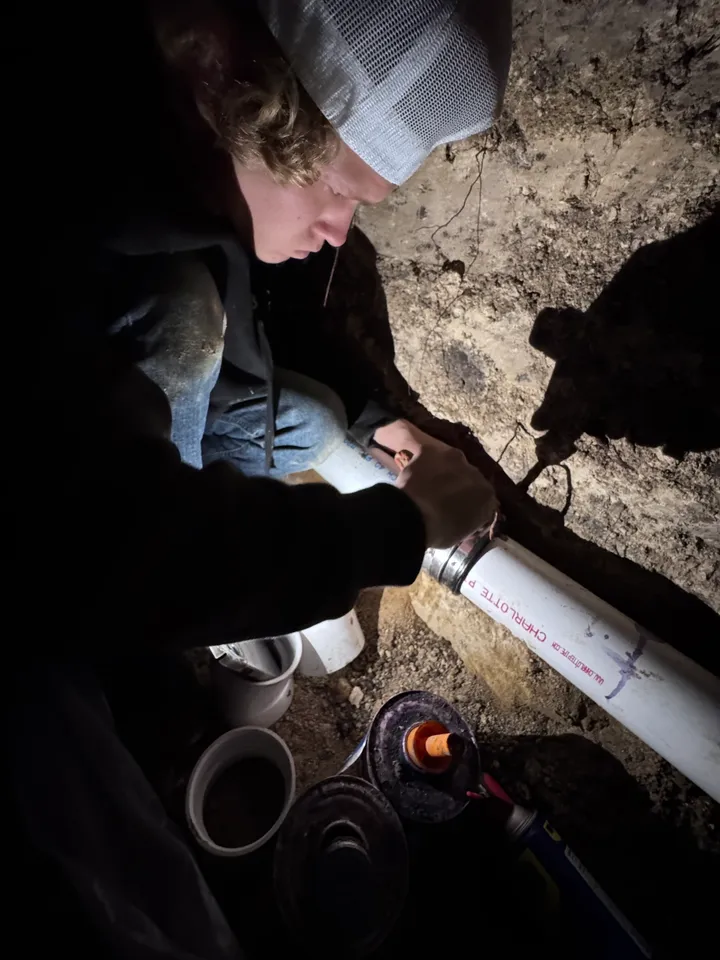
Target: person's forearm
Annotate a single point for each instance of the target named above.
(262, 558)
(182, 557)
(133, 547)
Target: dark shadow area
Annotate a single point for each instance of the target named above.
(646, 860)
(643, 361)
(650, 866)
(349, 345)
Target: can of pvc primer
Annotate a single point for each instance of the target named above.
(341, 869)
(565, 883)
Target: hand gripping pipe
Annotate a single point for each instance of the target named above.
(664, 698)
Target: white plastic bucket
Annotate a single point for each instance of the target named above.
(331, 645)
(241, 744)
(258, 703)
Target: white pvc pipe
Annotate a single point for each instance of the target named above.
(666, 699)
(349, 468)
(331, 645)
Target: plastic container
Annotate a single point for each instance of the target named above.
(241, 744)
(258, 703)
(331, 645)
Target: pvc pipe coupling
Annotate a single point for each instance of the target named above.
(451, 566)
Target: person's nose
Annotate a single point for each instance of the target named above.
(334, 225)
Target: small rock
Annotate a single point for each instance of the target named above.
(356, 696)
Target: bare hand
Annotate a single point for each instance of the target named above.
(454, 498)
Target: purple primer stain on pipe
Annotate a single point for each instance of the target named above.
(627, 666)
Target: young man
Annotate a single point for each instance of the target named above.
(183, 140)
(189, 143)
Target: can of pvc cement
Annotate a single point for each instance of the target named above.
(566, 883)
(422, 755)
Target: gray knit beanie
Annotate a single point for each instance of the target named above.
(396, 78)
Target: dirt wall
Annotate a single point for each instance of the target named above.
(553, 278)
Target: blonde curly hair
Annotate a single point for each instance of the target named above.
(245, 90)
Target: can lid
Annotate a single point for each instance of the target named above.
(422, 795)
(341, 869)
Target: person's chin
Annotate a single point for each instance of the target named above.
(281, 256)
(268, 256)
(271, 256)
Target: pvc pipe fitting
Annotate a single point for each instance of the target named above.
(241, 744)
(331, 645)
(258, 703)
